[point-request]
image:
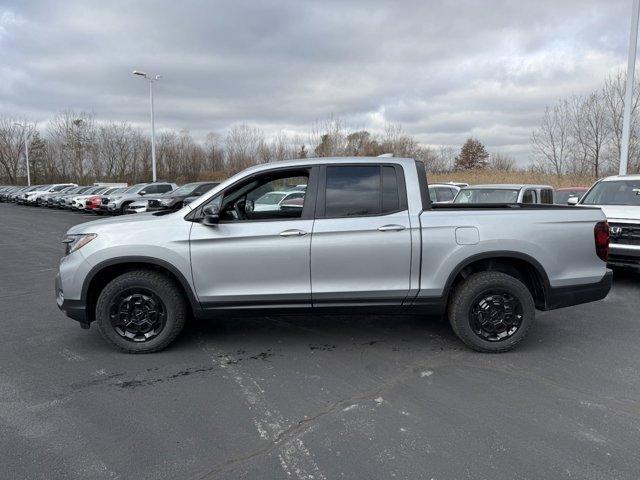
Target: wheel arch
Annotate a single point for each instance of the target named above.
(519, 265)
(105, 271)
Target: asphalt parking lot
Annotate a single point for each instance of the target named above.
(308, 397)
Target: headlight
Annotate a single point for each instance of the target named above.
(166, 201)
(76, 242)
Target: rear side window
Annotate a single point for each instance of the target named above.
(361, 190)
(445, 194)
(163, 188)
(529, 196)
(546, 196)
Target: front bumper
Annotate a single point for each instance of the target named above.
(558, 297)
(74, 309)
(624, 255)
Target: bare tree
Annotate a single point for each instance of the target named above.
(552, 141)
(12, 146)
(502, 162)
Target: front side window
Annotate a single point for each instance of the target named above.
(361, 190)
(264, 197)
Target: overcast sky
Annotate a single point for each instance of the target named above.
(444, 70)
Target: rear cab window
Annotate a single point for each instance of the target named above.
(363, 190)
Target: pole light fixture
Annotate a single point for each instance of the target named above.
(151, 79)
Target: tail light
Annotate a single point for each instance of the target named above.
(601, 236)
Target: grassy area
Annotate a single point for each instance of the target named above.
(475, 177)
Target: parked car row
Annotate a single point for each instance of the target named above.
(107, 199)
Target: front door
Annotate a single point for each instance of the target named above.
(361, 246)
(258, 255)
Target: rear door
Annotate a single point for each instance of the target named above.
(361, 243)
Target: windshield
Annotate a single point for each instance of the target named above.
(271, 198)
(486, 195)
(183, 190)
(59, 188)
(616, 192)
(114, 190)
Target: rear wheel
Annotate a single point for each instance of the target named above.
(491, 311)
(141, 311)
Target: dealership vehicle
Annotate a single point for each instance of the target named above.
(172, 200)
(367, 237)
(561, 196)
(93, 202)
(118, 203)
(9, 190)
(271, 201)
(33, 197)
(505, 193)
(619, 199)
(442, 192)
(45, 199)
(77, 202)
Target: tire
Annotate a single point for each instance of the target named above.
(162, 290)
(499, 300)
(123, 208)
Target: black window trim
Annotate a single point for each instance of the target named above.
(322, 190)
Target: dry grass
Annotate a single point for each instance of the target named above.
(475, 177)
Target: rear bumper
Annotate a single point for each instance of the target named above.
(560, 297)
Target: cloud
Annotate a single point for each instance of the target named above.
(445, 70)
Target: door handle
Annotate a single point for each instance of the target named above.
(293, 233)
(391, 228)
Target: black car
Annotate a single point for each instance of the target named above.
(176, 199)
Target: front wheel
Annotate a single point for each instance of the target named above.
(141, 311)
(491, 311)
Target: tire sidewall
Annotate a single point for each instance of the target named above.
(154, 283)
(476, 285)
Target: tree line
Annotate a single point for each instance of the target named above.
(76, 147)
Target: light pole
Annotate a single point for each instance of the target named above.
(151, 79)
(26, 149)
(628, 94)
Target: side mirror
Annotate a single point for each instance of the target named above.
(572, 201)
(211, 215)
(143, 193)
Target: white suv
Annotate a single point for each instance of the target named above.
(619, 199)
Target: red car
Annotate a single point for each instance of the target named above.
(562, 195)
(92, 204)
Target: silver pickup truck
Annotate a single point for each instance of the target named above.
(365, 237)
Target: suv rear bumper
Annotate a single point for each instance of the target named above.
(559, 297)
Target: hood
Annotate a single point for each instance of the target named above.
(623, 212)
(114, 224)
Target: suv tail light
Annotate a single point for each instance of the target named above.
(601, 236)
